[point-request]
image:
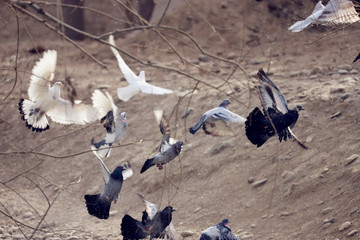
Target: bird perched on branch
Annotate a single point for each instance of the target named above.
(153, 223)
(214, 121)
(335, 12)
(45, 99)
(220, 231)
(167, 150)
(98, 205)
(115, 123)
(137, 84)
(259, 127)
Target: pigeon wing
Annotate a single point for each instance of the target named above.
(219, 129)
(65, 112)
(339, 12)
(270, 94)
(300, 25)
(42, 75)
(103, 103)
(128, 73)
(164, 129)
(151, 89)
(125, 93)
(104, 170)
(150, 207)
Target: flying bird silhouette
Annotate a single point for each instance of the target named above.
(214, 121)
(46, 100)
(98, 205)
(220, 231)
(259, 127)
(137, 84)
(115, 123)
(167, 150)
(335, 12)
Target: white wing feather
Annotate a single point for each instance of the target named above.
(300, 25)
(339, 12)
(104, 170)
(151, 89)
(125, 93)
(65, 112)
(42, 75)
(102, 103)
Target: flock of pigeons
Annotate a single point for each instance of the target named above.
(275, 118)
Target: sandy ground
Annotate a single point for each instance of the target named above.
(308, 194)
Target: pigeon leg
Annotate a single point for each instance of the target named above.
(212, 125)
(160, 166)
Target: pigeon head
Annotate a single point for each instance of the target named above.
(178, 145)
(117, 173)
(225, 103)
(225, 222)
(298, 108)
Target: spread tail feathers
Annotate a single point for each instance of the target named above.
(149, 163)
(97, 207)
(129, 228)
(35, 120)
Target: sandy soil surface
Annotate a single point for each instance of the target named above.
(307, 194)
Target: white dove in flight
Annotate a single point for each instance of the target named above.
(335, 12)
(46, 100)
(136, 83)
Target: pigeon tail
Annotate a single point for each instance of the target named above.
(130, 229)
(102, 148)
(257, 128)
(149, 163)
(97, 207)
(34, 118)
(195, 128)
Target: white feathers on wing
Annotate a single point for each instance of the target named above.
(335, 12)
(45, 99)
(136, 83)
(103, 103)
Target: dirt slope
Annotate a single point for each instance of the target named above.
(308, 193)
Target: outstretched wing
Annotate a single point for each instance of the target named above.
(151, 89)
(104, 170)
(270, 94)
(150, 207)
(102, 103)
(128, 73)
(339, 12)
(42, 75)
(316, 13)
(164, 129)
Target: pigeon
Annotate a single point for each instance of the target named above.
(211, 124)
(136, 83)
(357, 58)
(335, 12)
(167, 150)
(115, 123)
(98, 205)
(46, 100)
(220, 231)
(153, 223)
(259, 127)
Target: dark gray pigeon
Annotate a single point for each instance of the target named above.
(214, 121)
(150, 224)
(260, 126)
(98, 205)
(115, 123)
(167, 150)
(220, 231)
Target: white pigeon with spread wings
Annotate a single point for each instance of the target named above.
(335, 12)
(45, 99)
(137, 84)
(115, 123)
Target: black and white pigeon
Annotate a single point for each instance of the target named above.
(335, 12)
(137, 84)
(220, 231)
(45, 99)
(259, 127)
(153, 223)
(115, 123)
(214, 121)
(357, 58)
(98, 205)
(167, 150)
